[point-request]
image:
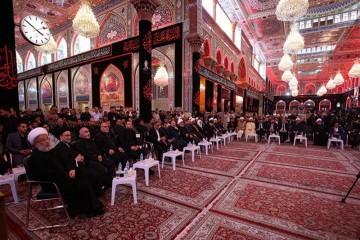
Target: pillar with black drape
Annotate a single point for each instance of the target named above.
(145, 10)
(8, 81)
(232, 96)
(219, 97)
(209, 95)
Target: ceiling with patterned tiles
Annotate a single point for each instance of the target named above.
(258, 20)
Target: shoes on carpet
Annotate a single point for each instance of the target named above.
(96, 212)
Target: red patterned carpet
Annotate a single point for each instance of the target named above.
(309, 162)
(217, 226)
(192, 188)
(218, 165)
(242, 191)
(309, 152)
(315, 215)
(237, 153)
(336, 183)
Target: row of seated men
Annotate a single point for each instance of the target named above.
(287, 130)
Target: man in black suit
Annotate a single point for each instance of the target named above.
(260, 128)
(74, 163)
(93, 156)
(271, 128)
(45, 165)
(129, 143)
(158, 138)
(105, 140)
(283, 129)
(18, 145)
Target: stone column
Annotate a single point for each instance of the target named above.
(8, 69)
(195, 41)
(145, 10)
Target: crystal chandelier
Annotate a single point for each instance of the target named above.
(293, 82)
(85, 22)
(294, 41)
(287, 76)
(322, 91)
(161, 77)
(338, 79)
(330, 84)
(290, 10)
(285, 63)
(355, 69)
(295, 93)
(49, 47)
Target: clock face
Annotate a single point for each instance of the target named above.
(35, 30)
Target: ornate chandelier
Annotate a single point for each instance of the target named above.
(330, 84)
(322, 91)
(85, 22)
(161, 77)
(285, 63)
(295, 93)
(294, 41)
(49, 47)
(293, 82)
(290, 10)
(287, 76)
(338, 79)
(355, 69)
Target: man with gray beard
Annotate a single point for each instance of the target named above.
(45, 165)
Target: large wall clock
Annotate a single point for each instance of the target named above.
(35, 30)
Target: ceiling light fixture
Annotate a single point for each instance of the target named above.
(85, 23)
(161, 78)
(285, 63)
(290, 10)
(330, 84)
(338, 79)
(287, 76)
(355, 69)
(294, 41)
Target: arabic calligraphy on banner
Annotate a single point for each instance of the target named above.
(216, 78)
(7, 68)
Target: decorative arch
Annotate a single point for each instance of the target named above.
(32, 94)
(62, 49)
(325, 104)
(281, 90)
(310, 89)
(158, 56)
(232, 67)
(242, 72)
(339, 89)
(112, 87)
(30, 61)
(308, 105)
(294, 105)
(46, 92)
(81, 85)
(80, 44)
(207, 48)
(226, 63)
(348, 102)
(112, 29)
(280, 107)
(44, 58)
(62, 90)
(218, 57)
(162, 17)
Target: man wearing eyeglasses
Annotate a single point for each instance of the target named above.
(45, 165)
